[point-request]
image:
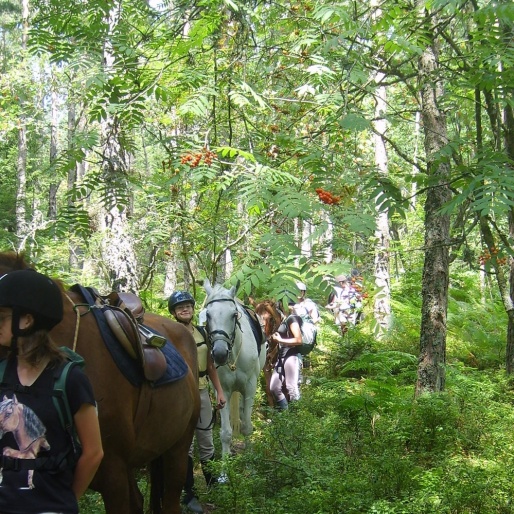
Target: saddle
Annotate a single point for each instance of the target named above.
(255, 323)
(124, 313)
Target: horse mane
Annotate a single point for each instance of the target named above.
(13, 261)
(33, 424)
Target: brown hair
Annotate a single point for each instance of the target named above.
(271, 325)
(38, 346)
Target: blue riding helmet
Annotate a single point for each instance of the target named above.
(179, 297)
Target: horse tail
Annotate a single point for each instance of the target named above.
(156, 485)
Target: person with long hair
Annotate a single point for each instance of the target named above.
(41, 470)
(284, 380)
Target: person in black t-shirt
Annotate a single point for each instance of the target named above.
(37, 473)
(284, 380)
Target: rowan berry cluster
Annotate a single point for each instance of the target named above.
(194, 159)
(327, 197)
(487, 254)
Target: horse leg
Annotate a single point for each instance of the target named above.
(118, 487)
(174, 469)
(247, 408)
(226, 427)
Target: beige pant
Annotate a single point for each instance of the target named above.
(203, 432)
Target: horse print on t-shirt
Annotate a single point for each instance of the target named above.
(27, 429)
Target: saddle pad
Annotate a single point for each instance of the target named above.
(176, 365)
(256, 328)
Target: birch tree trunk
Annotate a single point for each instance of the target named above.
(117, 246)
(382, 307)
(306, 242)
(431, 373)
(54, 185)
(21, 163)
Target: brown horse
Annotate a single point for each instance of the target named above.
(140, 426)
(271, 318)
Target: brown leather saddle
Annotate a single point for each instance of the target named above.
(124, 313)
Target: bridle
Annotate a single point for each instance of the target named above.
(228, 338)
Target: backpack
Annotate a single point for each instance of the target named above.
(309, 335)
(60, 399)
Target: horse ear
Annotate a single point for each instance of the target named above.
(207, 286)
(233, 289)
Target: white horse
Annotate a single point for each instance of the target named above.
(235, 353)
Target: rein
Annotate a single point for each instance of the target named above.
(79, 315)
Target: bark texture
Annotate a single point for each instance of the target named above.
(432, 357)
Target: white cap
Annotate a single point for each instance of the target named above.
(301, 286)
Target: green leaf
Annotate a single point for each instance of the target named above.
(354, 122)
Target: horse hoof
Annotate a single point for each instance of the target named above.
(194, 505)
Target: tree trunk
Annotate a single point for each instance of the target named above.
(54, 185)
(306, 241)
(432, 359)
(508, 124)
(382, 307)
(117, 245)
(21, 164)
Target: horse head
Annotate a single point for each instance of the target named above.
(222, 318)
(10, 411)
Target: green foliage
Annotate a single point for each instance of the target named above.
(364, 445)
(477, 323)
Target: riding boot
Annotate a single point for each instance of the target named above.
(190, 500)
(210, 479)
(282, 404)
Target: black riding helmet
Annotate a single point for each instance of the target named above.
(179, 297)
(30, 292)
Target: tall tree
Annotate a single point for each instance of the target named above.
(436, 269)
(21, 164)
(118, 245)
(382, 307)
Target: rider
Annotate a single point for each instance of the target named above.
(286, 371)
(307, 310)
(305, 307)
(343, 302)
(181, 305)
(37, 475)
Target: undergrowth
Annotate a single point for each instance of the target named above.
(358, 441)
